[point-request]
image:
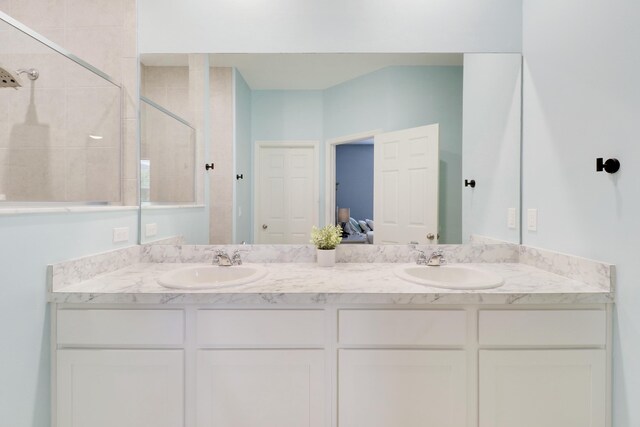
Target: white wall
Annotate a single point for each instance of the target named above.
(582, 101)
(491, 144)
(330, 26)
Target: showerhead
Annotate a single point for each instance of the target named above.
(9, 79)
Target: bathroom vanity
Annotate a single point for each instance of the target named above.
(349, 346)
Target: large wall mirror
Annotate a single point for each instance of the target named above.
(396, 148)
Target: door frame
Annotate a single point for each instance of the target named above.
(330, 169)
(262, 144)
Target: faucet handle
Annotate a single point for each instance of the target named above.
(443, 260)
(236, 258)
(422, 256)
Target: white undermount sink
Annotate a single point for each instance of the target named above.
(211, 276)
(450, 276)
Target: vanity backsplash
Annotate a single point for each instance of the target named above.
(591, 272)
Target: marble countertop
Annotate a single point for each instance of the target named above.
(346, 283)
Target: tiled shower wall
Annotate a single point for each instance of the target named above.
(221, 179)
(168, 144)
(103, 33)
(169, 87)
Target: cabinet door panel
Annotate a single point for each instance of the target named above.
(266, 388)
(124, 388)
(551, 388)
(408, 388)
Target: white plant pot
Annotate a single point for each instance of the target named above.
(326, 257)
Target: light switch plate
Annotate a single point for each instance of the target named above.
(150, 230)
(511, 218)
(532, 219)
(121, 234)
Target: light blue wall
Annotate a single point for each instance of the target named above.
(582, 101)
(280, 115)
(396, 98)
(28, 243)
(354, 172)
(191, 223)
(390, 99)
(244, 164)
(286, 115)
(491, 144)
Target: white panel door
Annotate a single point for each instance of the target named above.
(402, 388)
(124, 388)
(272, 187)
(286, 194)
(265, 388)
(550, 388)
(405, 197)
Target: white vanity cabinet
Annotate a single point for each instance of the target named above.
(132, 388)
(188, 365)
(551, 388)
(260, 368)
(409, 388)
(402, 368)
(279, 388)
(119, 368)
(543, 368)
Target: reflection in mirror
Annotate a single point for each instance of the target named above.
(385, 139)
(170, 210)
(167, 156)
(60, 133)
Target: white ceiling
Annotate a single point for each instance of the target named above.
(308, 71)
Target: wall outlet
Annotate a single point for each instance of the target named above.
(121, 234)
(239, 211)
(150, 230)
(511, 218)
(532, 219)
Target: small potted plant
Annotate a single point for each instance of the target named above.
(326, 239)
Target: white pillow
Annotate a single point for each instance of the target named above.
(364, 226)
(369, 223)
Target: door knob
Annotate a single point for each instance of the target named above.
(430, 236)
(265, 226)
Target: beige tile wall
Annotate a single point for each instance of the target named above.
(198, 97)
(221, 178)
(43, 134)
(168, 144)
(169, 87)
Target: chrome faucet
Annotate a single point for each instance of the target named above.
(222, 259)
(436, 259)
(422, 257)
(236, 259)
